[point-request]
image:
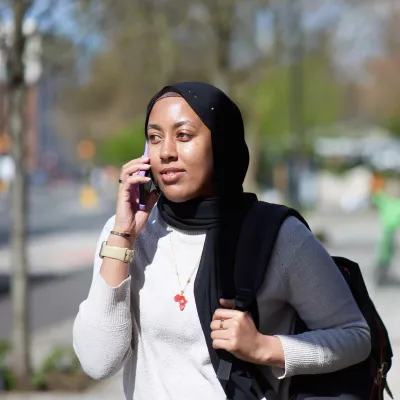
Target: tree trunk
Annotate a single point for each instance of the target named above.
(19, 267)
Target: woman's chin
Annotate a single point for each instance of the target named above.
(175, 194)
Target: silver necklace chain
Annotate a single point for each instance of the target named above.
(181, 291)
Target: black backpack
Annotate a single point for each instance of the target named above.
(363, 381)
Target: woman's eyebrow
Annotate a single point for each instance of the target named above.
(175, 125)
(154, 126)
(183, 122)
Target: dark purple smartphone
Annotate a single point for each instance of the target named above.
(144, 188)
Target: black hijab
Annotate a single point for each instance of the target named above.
(221, 215)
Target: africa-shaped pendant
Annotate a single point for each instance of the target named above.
(181, 299)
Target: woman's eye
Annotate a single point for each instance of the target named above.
(154, 138)
(184, 136)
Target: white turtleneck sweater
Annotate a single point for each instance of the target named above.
(140, 327)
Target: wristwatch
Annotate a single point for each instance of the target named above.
(118, 253)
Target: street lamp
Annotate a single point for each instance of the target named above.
(296, 100)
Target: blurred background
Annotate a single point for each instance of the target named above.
(318, 84)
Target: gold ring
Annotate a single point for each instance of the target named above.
(221, 324)
(120, 181)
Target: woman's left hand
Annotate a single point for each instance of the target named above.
(238, 335)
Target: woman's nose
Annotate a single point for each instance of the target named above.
(168, 150)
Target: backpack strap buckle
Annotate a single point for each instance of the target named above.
(383, 370)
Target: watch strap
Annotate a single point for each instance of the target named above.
(118, 253)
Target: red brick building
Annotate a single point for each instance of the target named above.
(32, 149)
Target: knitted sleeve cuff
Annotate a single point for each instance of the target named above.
(107, 306)
(302, 355)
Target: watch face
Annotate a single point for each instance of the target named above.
(129, 256)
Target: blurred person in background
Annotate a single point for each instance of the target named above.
(389, 215)
(164, 310)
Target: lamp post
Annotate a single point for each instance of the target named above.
(296, 100)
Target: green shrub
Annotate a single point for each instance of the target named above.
(121, 147)
(5, 372)
(321, 236)
(60, 370)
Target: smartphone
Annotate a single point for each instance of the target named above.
(145, 188)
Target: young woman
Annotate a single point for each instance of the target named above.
(168, 316)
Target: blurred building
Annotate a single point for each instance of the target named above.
(44, 150)
(33, 73)
(31, 125)
(372, 146)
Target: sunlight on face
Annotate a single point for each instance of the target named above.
(180, 150)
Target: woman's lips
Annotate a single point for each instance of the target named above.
(171, 176)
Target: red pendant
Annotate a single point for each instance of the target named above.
(181, 299)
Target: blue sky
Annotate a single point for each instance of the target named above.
(62, 20)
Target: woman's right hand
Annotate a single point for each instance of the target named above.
(129, 218)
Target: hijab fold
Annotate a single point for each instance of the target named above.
(221, 216)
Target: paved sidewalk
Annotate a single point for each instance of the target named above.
(62, 233)
(59, 396)
(56, 254)
(110, 389)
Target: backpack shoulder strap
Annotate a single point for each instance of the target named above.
(255, 245)
(256, 242)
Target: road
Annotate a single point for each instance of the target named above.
(53, 215)
(54, 210)
(51, 301)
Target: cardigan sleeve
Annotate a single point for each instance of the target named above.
(102, 329)
(339, 335)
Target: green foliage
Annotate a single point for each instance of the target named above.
(393, 125)
(59, 361)
(323, 105)
(5, 372)
(268, 103)
(121, 147)
(322, 236)
(5, 348)
(60, 370)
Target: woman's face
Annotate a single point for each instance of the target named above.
(180, 150)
